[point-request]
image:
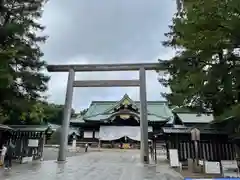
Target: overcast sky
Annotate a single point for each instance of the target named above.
(105, 31)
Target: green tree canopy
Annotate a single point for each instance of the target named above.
(22, 81)
(205, 73)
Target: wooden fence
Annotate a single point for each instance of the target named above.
(211, 151)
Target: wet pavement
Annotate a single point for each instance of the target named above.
(106, 165)
(52, 153)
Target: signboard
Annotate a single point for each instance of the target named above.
(212, 167)
(96, 135)
(230, 168)
(200, 162)
(33, 142)
(26, 159)
(88, 134)
(174, 160)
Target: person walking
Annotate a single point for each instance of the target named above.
(3, 153)
(86, 147)
(151, 149)
(9, 156)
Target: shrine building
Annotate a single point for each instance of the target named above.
(111, 123)
(119, 121)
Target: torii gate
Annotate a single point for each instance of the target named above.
(141, 82)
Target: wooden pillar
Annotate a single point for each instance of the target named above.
(204, 151)
(211, 150)
(227, 151)
(188, 149)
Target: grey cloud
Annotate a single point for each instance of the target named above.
(105, 31)
(112, 29)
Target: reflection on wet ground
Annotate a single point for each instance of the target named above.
(92, 166)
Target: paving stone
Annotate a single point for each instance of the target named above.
(93, 166)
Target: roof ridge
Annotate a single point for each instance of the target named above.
(119, 102)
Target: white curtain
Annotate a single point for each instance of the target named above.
(96, 134)
(88, 134)
(110, 133)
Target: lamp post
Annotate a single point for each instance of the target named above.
(155, 148)
(74, 142)
(195, 136)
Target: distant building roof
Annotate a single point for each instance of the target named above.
(195, 118)
(71, 130)
(101, 110)
(5, 127)
(34, 128)
(78, 119)
(187, 130)
(54, 127)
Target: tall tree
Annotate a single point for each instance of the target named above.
(205, 73)
(21, 78)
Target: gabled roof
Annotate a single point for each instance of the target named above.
(101, 110)
(125, 100)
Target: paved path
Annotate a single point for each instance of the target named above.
(52, 153)
(92, 166)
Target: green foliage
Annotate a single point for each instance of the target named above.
(55, 137)
(53, 113)
(40, 113)
(22, 81)
(205, 73)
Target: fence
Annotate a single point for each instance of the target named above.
(211, 151)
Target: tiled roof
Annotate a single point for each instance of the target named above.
(73, 130)
(100, 110)
(53, 126)
(5, 127)
(187, 130)
(78, 119)
(36, 128)
(195, 118)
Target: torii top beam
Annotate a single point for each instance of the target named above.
(104, 67)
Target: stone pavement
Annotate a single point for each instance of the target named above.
(52, 153)
(104, 165)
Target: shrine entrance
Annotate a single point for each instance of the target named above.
(141, 83)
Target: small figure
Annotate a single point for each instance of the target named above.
(9, 156)
(3, 153)
(151, 149)
(86, 147)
